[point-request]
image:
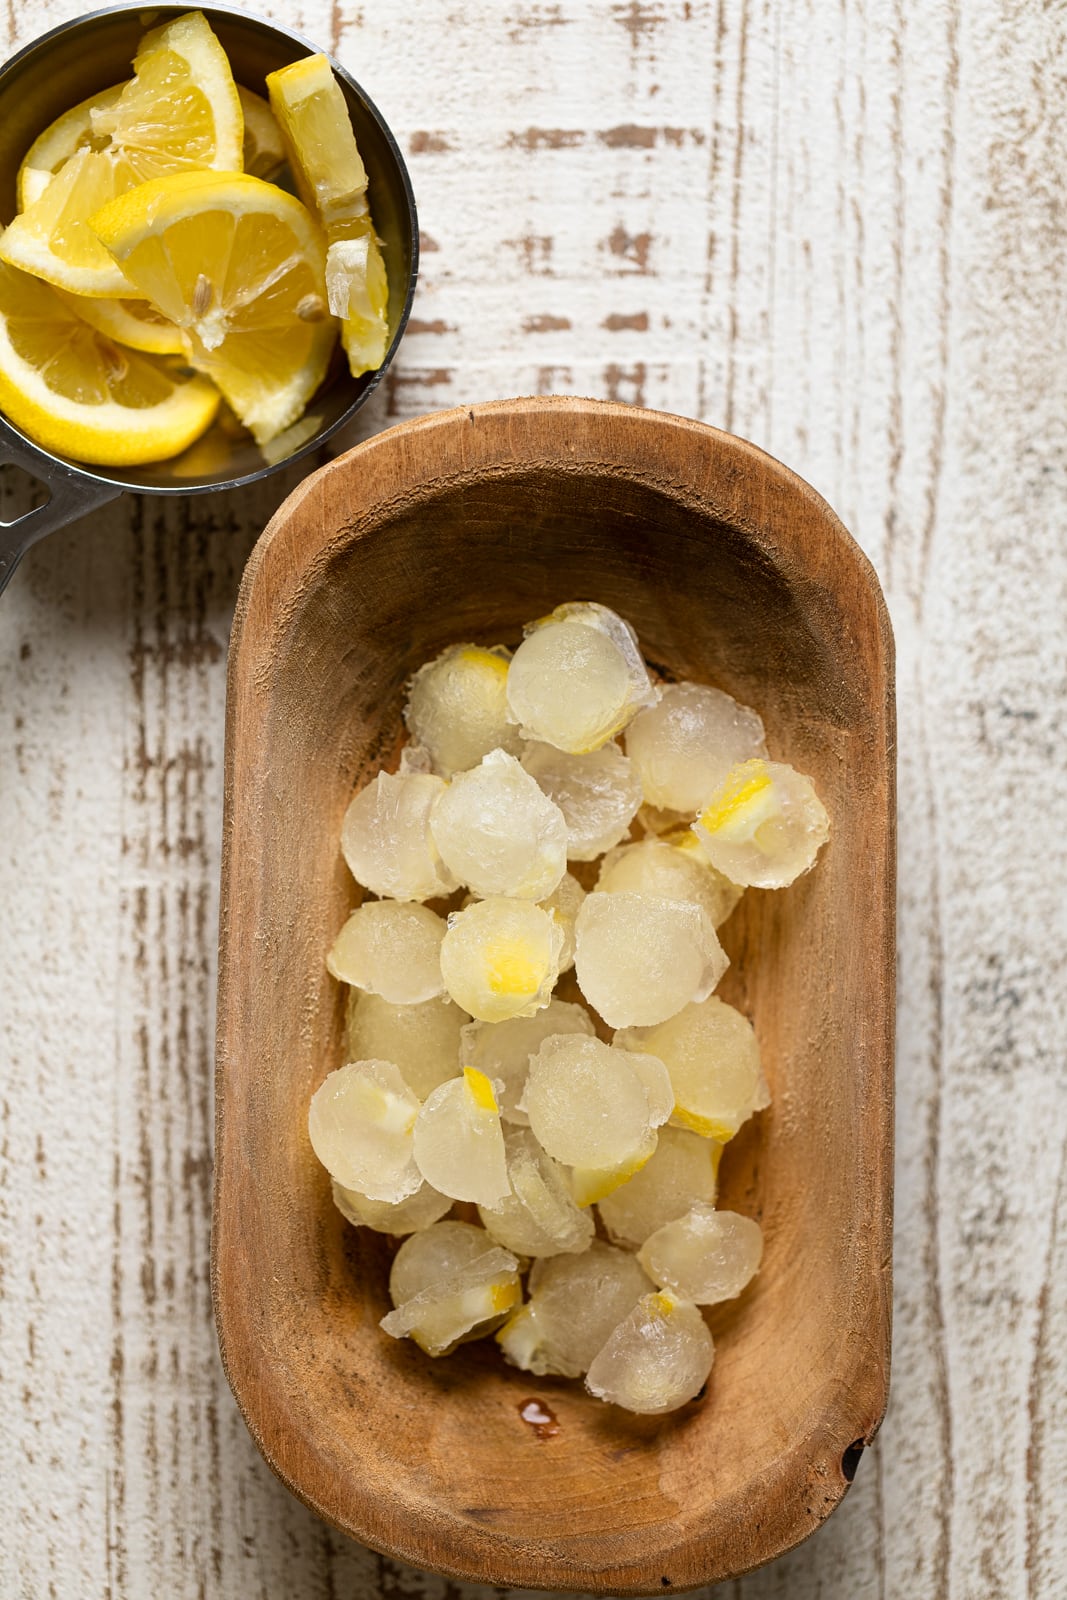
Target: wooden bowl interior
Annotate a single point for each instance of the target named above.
(435, 1453)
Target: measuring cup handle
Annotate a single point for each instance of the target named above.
(70, 495)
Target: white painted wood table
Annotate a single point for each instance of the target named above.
(838, 230)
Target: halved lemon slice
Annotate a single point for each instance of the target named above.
(263, 153)
(311, 111)
(71, 132)
(77, 393)
(179, 112)
(238, 266)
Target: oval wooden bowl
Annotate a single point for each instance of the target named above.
(461, 526)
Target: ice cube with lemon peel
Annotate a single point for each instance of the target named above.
(577, 678)
(503, 1050)
(459, 1143)
(764, 825)
(450, 1283)
(457, 707)
(640, 958)
(361, 1124)
(391, 948)
(656, 1358)
(712, 1055)
(180, 112)
(500, 958)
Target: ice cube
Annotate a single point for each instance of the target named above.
(712, 1055)
(687, 742)
(683, 1169)
(641, 958)
(457, 707)
(450, 1283)
(705, 1256)
(419, 1210)
(539, 1216)
(459, 1144)
(656, 1359)
(392, 949)
(674, 868)
(598, 793)
(577, 678)
(575, 1302)
(386, 840)
(764, 825)
(499, 833)
(423, 1040)
(361, 1122)
(587, 1104)
(500, 958)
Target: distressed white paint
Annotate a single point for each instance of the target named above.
(839, 231)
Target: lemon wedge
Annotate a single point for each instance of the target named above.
(180, 112)
(76, 393)
(311, 111)
(238, 266)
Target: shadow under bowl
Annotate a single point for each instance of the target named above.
(462, 526)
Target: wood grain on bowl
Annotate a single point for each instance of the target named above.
(461, 526)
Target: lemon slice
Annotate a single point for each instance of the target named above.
(238, 266)
(179, 112)
(264, 152)
(71, 132)
(76, 393)
(330, 177)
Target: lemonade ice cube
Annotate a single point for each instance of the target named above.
(392, 949)
(386, 839)
(459, 1144)
(706, 1255)
(763, 825)
(361, 1123)
(656, 1359)
(457, 707)
(423, 1039)
(450, 1283)
(641, 958)
(598, 793)
(500, 958)
(499, 833)
(712, 1055)
(685, 744)
(577, 678)
(682, 1170)
(419, 1210)
(587, 1104)
(674, 868)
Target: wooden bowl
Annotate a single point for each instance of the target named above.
(462, 526)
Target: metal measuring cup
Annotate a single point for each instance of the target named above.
(79, 59)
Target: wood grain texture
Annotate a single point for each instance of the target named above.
(838, 231)
(462, 526)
